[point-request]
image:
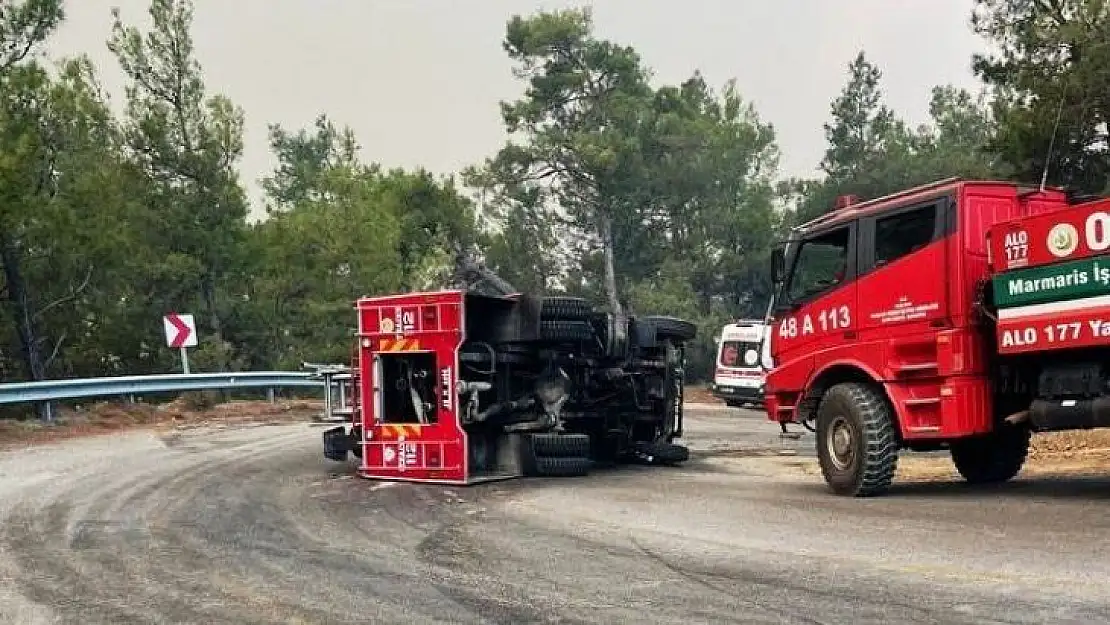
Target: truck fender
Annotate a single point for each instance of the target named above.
(834, 373)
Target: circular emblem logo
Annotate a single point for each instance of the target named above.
(751, 357)
(387, 325)
(389, 454)
(1062, 240)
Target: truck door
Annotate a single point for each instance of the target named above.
(902, 282)
(815, 313)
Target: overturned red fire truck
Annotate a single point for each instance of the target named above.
(480, 382)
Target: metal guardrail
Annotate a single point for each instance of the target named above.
(53, 390)
(338, 378)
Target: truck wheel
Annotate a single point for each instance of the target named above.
(561, 308)
(671, 327)
(549, 445)
(856, 445)
(992, 459)
(566, 331)
(562, 467)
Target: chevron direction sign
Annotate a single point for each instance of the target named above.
(181, 330)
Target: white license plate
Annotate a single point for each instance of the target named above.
(743, 382)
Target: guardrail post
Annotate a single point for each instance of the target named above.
(270, 395)
(328, 397)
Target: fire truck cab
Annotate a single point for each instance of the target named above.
(876, 332)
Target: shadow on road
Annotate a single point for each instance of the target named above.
(1058, 488)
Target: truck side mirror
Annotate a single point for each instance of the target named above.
(778, 266)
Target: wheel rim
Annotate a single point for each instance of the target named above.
(839, 443)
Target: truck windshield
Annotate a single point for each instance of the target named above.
(820, 263)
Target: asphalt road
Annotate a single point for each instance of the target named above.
(253, 526)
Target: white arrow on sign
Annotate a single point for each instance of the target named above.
(181, 330)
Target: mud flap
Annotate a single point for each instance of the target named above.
(338, 443)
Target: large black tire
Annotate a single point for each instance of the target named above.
(992, 459)
(856, 443)
(671, 327)
(551, 445)
(563, 467)
(566, 331)
(560, 308)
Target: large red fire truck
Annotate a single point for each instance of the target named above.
(960, 315)
(479, 382)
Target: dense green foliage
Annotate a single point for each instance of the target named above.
(656, 198)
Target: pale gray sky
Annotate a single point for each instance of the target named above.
(419, 80)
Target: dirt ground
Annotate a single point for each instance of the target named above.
(186, 412)
(1051, 454)
(699, 394)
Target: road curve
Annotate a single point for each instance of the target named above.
(252, 525)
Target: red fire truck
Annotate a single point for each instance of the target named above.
(960, 315)
(472, 384)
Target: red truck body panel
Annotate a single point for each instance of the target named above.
(413, 323)
(1052, 279)
(1061, 234)
(906, 324)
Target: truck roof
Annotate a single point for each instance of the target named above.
(836, 217)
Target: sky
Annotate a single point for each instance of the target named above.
(419, 81)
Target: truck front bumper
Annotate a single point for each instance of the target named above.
(737, 394)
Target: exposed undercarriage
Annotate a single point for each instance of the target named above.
(557, 366)
(549, 384)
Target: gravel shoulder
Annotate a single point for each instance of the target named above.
(249, 524)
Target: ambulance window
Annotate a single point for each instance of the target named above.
(821, 264)
(901, 234)
(736, 354)
(730, 354)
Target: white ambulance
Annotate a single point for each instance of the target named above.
(743, 359)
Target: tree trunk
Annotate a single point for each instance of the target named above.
(208, 292)
(19, 301)
(606, 227)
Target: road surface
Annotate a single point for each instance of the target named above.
(252, 525)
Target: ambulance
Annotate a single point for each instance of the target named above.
(743, 359)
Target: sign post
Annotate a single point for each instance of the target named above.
(181, 332)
